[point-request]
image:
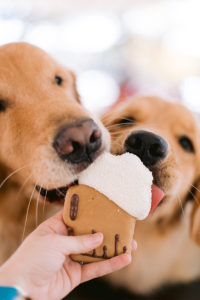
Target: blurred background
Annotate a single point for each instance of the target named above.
(116, 48)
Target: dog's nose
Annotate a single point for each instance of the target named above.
(149, 147)
(78, 142)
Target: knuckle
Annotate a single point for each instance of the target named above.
(81, 242)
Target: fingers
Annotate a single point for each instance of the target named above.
(133, 246)
(98, 269)
(54, 224)
(80, 244)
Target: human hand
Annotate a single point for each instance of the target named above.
(43, 268)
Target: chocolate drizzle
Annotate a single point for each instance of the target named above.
(70, 231)
(116, 244)
(74, 207)
(125, 248)
(94, 251)
(104, 252)
(97, 256)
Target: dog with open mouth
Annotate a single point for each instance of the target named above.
(166, 137)
(47, 138)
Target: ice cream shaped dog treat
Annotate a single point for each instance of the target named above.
(112, 193)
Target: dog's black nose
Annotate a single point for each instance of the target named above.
(78, 142)
(149, 147)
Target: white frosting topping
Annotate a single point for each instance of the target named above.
(123, 179)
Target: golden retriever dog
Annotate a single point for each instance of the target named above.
(166, 137)
(46, 139)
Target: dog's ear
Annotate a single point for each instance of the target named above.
(75, 87)
(195, 217)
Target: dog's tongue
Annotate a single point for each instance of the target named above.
(157, 195)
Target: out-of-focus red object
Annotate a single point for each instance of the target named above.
(127, 89)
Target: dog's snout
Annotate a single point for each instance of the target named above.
(149, 147)
(78, 142)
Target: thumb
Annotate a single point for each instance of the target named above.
(80, 244)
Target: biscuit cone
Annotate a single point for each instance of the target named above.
(87, 211)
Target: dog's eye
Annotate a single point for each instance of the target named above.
(126, 122)
(2, 105)
(58, 80)
(186, 144)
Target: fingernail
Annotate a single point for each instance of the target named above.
(97, 237)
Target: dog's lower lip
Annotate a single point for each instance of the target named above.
(54, 195)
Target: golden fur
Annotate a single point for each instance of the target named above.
(167, 252)
(33, 108)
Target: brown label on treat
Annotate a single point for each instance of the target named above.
(74, 207)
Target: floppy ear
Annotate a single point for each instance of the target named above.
(195, 217)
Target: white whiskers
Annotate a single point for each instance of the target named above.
(57, 188)
(191, 185)
(194, 197)
(25, 183)
(181, 205)
(36, 212)
(13, 174)
(44, 203)
(28, 211)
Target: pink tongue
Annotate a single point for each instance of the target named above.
(157, 195)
